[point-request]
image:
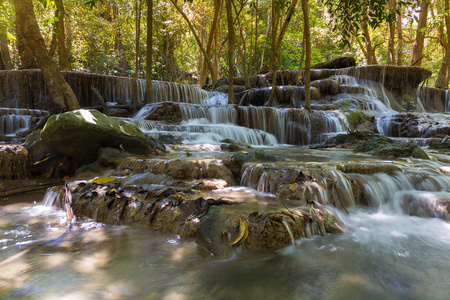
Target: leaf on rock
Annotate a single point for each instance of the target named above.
(293, 187)
(102, 180)
(243, 233)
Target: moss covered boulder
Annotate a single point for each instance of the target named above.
(81, 133)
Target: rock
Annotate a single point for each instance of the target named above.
(81, 133)
(170, 139)
(117, 112)
(233, 146)
(37, 149)
(443, 147)
(14, 162)
(181, 169)
(383, 147)
(110, 157)
(166, 111)
(255, 155)
(338, 63)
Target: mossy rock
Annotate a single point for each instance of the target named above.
(383, 147)
(255, 155)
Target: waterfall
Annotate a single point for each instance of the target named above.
(447, 100)
(13, 120)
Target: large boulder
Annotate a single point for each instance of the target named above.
(81, 133)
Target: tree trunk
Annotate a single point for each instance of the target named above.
(197, 39)
(273, 55)
(256, 38)
(5, 57)
(244, 50)
(231, 44)
(399, 40)
(417, 56)
(148, 67)
(391, 41)
(27, 60)
(306, 32)
(218, 5)
(59, 89)
(442, 79)
(62, 51)
(283, 29)
(300, 67)
(267, 36)
(212, 34)
(370, 53)
(137, 52)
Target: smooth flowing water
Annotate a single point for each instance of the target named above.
(383, 254)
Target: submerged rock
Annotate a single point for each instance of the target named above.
(242, 157)
(384, 147)
(81, 133)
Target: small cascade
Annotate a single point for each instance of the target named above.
(385, 122)
(215, 114)
(169, 91)
(13, 120)
(447, 100)
(52, 197)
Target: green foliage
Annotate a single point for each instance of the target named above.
(354, 117)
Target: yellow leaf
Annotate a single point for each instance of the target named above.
(243, 233)
(102, 180)
(244, 152)
(121, 147)
(175, 147)
(38, 162)
(293, 187)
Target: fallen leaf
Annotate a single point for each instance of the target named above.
(243, 233)
(102, 180)
(244, 152)
(293, 187)
(38, 162)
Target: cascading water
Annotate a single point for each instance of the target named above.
(14, 120)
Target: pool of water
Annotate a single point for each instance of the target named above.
(381, 256)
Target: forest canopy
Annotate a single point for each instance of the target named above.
(100, 36)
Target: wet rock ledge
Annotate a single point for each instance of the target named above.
(218, 225)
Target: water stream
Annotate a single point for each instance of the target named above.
(395, 245)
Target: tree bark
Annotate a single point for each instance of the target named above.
(399, 40)
(273, 55)
(148, 67)
(283, 29)
(212, 34)
(218, 4)
(370, 53)
(416, 59)
(59, 89)
(64, 62)
(27, 60)
(5, 58)
(442, 79)
(137, 52)
(244, 50)
(391, 41)
(231, 44)
(306, 32)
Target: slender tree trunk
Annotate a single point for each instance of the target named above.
(399, 40)
(64, 62)
(212, 34)
(231, 44)
(218, 4)
(417, 56)
(5, 56)
(442, 79)
(306, 32)
(391, 41)
(138, 46)
(256, 38)
(273, 54)
(267, 36)
(59, 89)
(370, 53)
(148, 67)
(244, 50)
(300, 67)
(197, 39)
(284, 27)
